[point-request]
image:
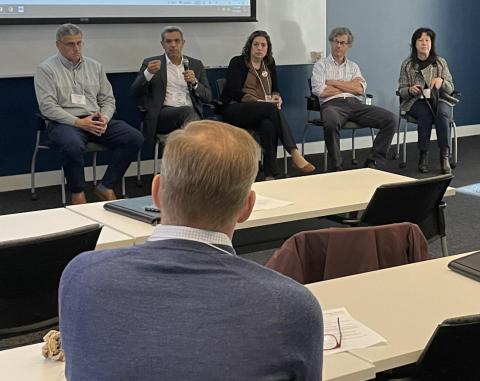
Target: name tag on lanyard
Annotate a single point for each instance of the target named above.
(78, 99)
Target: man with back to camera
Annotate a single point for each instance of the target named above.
(183, 306)
(339, 85)
(73, 92)
(173, 87)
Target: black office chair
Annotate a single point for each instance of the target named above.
(405, 119)
(313, 106)
(451, 354)
(219, 106)
(418, 201)
(30, 271)
(42, 143)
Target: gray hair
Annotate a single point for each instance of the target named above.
(208, 169)
(67, 30)
(340, 31)
(171, 29)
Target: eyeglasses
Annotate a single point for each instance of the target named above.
(72, 44)
(330, 341)
(341, 43)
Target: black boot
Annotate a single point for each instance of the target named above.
(445, 160)
(423, 162)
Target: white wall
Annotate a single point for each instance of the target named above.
(296, 27)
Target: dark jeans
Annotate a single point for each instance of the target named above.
(172, 118)
(425, 120)
(270, 124)
(335, 114)
(123, 140)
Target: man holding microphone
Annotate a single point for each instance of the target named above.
(173, 86)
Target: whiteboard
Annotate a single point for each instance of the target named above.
(297, 27)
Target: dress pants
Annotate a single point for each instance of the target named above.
(335, 114)
(122, 139)
(172, 118)
(425, 119)
(270, 124)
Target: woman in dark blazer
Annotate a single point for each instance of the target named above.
(252, 101)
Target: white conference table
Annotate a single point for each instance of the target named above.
(312, 196)
(403, 304)
(27, 364)
(32, 224)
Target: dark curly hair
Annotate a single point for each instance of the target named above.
(248, 46)
(416, 35)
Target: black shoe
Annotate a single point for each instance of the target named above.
(445, 160)
(338, 168)
(423, 162)
(370, 163)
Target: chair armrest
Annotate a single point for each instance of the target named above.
(42, 121)
(313, 104)
(456, 93)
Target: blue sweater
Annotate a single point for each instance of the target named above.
(181, 310)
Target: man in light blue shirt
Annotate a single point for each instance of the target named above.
(183, 306)
(73, 92)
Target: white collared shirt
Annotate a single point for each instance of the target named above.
(328, 69)
(176, 93)
(163, 232)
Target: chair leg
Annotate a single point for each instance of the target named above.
(397, 154)
(403, 163)
(454, 144)
(443, 241)
(285, 160)
(305, 129)
(124, 192)
(325, 158)
(155, 158)
(32, 174)
(94, 168)
(62, 180)
(354, 157)
(139, 169)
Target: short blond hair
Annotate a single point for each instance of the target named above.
(207, 172)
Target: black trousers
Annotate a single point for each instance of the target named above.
(268, 122)
(172, 118)
(335, 114)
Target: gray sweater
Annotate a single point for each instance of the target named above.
(181, 310)
(56, 79)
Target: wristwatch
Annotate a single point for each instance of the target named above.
(195, 85)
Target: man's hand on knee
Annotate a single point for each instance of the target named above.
(96, 124)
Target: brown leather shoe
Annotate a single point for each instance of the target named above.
(108, 195)
(78, 198)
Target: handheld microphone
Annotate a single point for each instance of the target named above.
(186, 64)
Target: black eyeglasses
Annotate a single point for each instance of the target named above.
(341, 43)
(330, 341)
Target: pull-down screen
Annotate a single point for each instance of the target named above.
(125, 11)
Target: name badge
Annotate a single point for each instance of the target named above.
(78, 99)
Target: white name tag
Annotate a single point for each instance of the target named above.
(78, 99)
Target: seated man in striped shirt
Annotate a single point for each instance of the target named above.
(339, 85)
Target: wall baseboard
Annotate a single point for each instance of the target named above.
(49, 178)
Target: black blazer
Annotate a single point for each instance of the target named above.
(153, 91)
(237, 74)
